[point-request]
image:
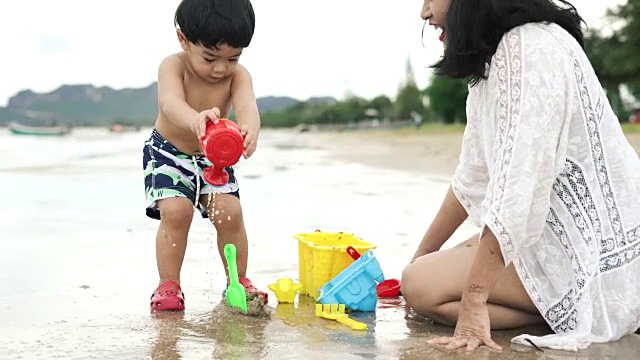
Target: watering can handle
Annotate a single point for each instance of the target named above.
(355, 255)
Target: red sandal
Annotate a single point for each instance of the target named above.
(168, 297)
(250, 289)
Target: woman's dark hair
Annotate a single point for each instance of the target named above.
(215, 22)
(475, 27)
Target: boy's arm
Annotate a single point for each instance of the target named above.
(171, 97)
(244, 102)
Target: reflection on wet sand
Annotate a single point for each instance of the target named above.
(169, 332)
(300, 318)
(293, 331)
(231, 335)
(420, 329)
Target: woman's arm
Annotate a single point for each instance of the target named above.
(473, 327)
(448, 219)
(485, 270)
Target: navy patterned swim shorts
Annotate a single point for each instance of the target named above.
(168, 172)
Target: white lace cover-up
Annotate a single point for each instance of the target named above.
(546, 167)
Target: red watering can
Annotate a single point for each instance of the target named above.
(222, 144)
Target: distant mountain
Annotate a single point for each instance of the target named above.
(275, 103)
(7, 115)
(101, 106)
(324, 100)
(86, 105)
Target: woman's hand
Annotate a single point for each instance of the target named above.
(472, 329)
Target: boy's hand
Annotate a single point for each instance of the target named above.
(250, 140)
(199, 125)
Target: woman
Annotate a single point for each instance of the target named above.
(548, 176)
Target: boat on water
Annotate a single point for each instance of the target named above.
(119, 128)
(50, 130)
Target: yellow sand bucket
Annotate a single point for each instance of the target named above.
(322, 256)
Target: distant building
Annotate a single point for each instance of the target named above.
(635, 116)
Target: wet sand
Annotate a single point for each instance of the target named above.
(78, 267)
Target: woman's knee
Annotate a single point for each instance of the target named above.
(423, 295)
(436, 279)
(418, 289)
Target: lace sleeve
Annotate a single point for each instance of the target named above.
(528, 145)
(471, 177)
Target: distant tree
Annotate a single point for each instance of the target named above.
(349, 110)
(383, 105)
(615, 54)
(448, 98)
(279, 119)
(409, 100)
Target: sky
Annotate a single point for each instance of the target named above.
(301, 48)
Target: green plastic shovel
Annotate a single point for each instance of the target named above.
(235, 294)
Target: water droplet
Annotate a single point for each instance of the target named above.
(228, 217)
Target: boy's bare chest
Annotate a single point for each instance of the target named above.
(203, 96)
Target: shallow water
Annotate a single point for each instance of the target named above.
(77, 265)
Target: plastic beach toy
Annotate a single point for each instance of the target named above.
(338, 312)
(387, 288)
(355, 255)
(222, 144)
(355, 286)
(235, 293)
(285, 290)
(322, 256)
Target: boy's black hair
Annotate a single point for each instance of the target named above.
(475, 27)
(214, 22)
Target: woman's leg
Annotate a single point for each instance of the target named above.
(432, 285)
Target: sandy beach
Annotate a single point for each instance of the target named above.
(428, 150)
(78, 265)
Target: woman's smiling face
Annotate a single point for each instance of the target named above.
(435, 11)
